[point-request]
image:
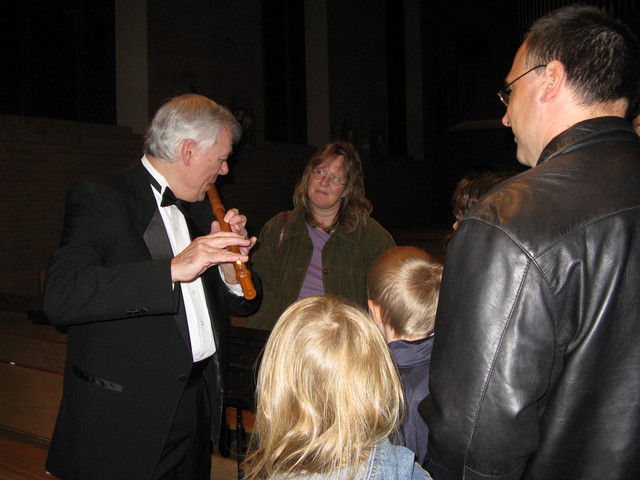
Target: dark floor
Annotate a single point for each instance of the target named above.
(21, 459)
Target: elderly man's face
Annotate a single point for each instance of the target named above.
(206, 165)
(522, 113)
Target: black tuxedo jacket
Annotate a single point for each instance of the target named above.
(129, 351)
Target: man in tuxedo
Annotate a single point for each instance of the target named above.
(144, 292)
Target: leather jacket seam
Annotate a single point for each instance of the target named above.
(489, 373)
(532, 259)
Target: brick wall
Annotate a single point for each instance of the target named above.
(39, 159)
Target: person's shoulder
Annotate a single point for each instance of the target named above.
(521, 201)
(370, 226)
(117, 179)
(371, 223)
(106, 188)
(397, 462)
(535, 209)
(97, 184)
(278, 220)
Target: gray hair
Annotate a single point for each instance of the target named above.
(189, 116)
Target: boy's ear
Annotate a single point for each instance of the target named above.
(376, 312)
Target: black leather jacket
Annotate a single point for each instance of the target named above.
(536, 362)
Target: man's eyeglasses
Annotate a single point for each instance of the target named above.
(505, 93)
(321, 173)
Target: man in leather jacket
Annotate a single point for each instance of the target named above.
(536, 362)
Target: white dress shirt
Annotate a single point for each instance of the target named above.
(195, 303)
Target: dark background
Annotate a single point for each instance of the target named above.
(59, 118)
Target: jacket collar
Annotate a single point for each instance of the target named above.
(583, 133)
(138, 178)
(148, 220)
(410, 353)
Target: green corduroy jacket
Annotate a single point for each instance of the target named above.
(346, 258)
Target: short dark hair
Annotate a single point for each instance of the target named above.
(473, 186)
(600, 54)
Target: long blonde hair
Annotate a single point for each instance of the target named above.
(328, 390)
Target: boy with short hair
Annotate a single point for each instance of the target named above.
(404, 284)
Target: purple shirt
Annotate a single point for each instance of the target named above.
(313, 283)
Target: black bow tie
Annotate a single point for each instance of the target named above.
(168, 198)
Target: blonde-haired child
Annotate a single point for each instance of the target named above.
(328, 397)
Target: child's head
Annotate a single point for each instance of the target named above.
(404, 284)
(471, 188)
(328, 390)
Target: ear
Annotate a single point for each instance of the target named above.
(186, 151)
(554, 78)
(376, 312)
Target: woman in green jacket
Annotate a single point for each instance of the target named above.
(326, 244)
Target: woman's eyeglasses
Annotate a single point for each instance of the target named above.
(322, 173)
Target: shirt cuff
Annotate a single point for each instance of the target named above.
(234, 288)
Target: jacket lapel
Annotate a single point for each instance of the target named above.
(155, 235)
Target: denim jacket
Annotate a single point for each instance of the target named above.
(386, 462)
